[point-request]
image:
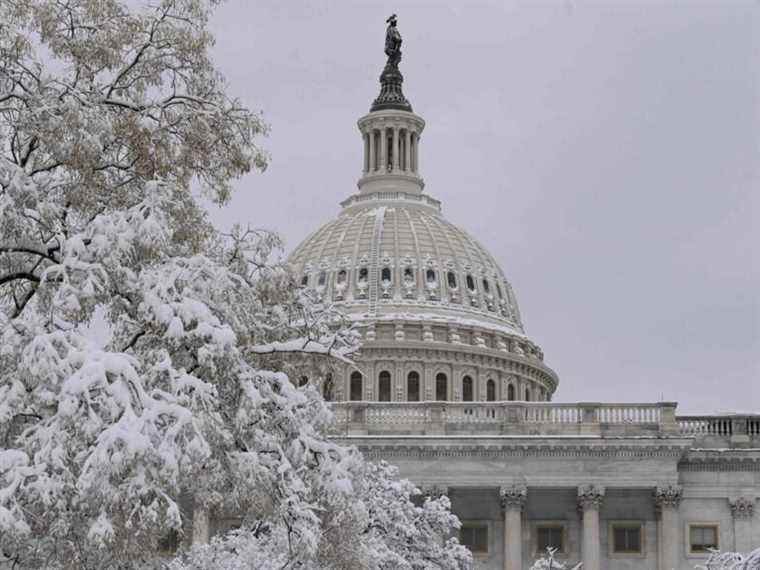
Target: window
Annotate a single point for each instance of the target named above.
(384, 386)
(491, 391)
(363, 274)
(441, 387)
(385, 274)
(305, 280)
(452, 279)
(474, 537)
(550, 536)
(430, 276)
(357, 387)
(470, 282)
(527, 394)
(408, 274)
(486, 287)
(626, 538)
(342, 276)
(511, 393)
(468, 391)
(413, 387)
(327, 388)
(702, 538)
(322, 278)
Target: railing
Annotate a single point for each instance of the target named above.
(540, 418)
(500, 417)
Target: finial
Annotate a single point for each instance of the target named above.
(391, 96)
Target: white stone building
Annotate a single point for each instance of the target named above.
(450, 388)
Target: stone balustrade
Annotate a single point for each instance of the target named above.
(540, 418)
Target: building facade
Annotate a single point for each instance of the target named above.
(449, 387)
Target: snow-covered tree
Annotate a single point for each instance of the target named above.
(382, 524)
(548, 562)
(144, 356)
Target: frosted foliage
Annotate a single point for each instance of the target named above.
(372, 520)
(732, 561)
(189, 393)
(548, 562)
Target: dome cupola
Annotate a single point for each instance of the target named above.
(421, 289)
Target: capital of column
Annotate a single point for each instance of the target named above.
(513, 497)
(434, 491)
(668, 496)
(742, 507)
(590, 496)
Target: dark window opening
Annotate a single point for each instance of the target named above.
(408, 274)
(430, 276)
(511, 393)
(474, 537)
(549, 537)
(491, 391)
(357, 387)
(385, 275)
(527, 394)
(441, 387)
(363, 274)
(327, 388)
(470, 282)
(452, 279)
(703, 538)
(322, 279)
(413, 387)
(626, 539)
(486, 286)
(468, 389)
(384, 386)
(342, 276)
(305, 279)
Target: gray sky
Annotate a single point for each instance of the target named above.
(606, 153)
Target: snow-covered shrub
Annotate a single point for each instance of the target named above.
(732, 561)
(548, 562)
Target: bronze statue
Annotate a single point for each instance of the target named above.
(392, 42)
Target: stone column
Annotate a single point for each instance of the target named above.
(667, 498)
(395, 149)
(416, 153)
(372, 150)
(742, 509)
(365, 164)
(512, 501)
(408, 151)
(590, 499)
(383, 150)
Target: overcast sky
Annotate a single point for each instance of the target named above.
(606, 153)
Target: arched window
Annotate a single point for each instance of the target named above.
(511, 393)
(322, 278)
(357, 387)
(342, 276)
(430, 276)
(413, 387)
(327, 388)
(542, 395)
(452, 280)
(363, 274)
(441, 387)
(468, 390)
(408, 274)
(498, 290)
(305, 279)
(384, 386)
(470, 282)
(527, 394)
(486, 286)
(491, 391)
(385, 274)
(303, 381)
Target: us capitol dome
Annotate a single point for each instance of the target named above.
(439, 319)
(450, 388)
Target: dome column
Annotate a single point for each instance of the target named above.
(372, 151)
(383, 149)
(396, 147)
(408, 151)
